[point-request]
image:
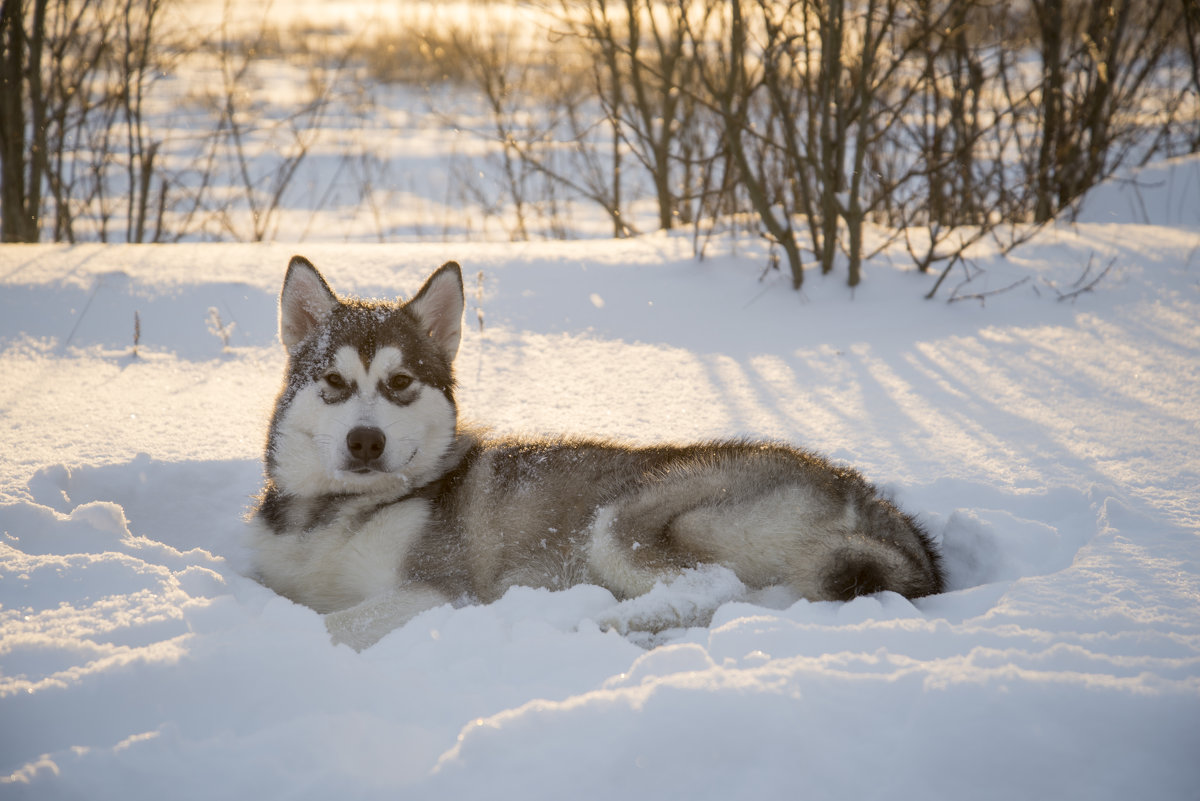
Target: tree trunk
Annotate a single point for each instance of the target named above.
(1050, 22)
(12, 122)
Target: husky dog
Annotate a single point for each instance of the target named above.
(379, 505)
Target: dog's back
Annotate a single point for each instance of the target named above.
(553, 513)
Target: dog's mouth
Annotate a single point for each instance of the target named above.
(355, 469)
(362, 471)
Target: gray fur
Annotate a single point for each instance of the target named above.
(447, 512)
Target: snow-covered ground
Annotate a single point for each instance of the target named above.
(1051, 446)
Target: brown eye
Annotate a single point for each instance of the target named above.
(399, 382)
(335, 381)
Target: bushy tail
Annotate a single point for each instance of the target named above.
(850, 574)
(899, 558)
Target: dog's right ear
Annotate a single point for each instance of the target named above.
(304, 303)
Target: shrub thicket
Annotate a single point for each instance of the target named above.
(940, 121)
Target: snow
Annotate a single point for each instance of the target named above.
(1166, 193)
(1051, 446)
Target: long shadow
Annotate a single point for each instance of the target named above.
(992, 443)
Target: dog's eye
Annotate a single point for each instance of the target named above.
(335, 381)
(399, 382)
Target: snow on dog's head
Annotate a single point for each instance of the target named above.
(368, 403)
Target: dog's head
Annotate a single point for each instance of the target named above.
(368, 405)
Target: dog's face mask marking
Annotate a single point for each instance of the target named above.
(372, 415)
(368, 399)
(347, 378)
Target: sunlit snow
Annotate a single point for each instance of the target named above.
(1051, 447)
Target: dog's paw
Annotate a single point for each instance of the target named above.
(688, 600)
(367, 623)
(357, 628)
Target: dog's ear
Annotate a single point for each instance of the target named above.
(304, 303)
(439, 307)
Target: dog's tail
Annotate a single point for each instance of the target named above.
(897, 556)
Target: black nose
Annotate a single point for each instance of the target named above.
(365, 443)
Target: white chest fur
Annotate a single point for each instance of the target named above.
(340, 563)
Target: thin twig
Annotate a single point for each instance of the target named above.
(1079, 286)
(982, 296)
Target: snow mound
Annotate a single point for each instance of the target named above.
(1049, 447)
(1164, 193)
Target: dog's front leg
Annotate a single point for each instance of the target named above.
(363, 625)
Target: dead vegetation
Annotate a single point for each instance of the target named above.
(807, 121)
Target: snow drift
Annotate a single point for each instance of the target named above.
(1050, 445)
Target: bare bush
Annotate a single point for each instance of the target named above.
(1098, 57)
(75, 77)
(943, 122)
(647, 83)
(262, 154)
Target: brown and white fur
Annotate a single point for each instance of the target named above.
(379, 505)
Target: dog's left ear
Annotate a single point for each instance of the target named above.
(439, 307)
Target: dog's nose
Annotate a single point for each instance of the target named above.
(365, 443)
